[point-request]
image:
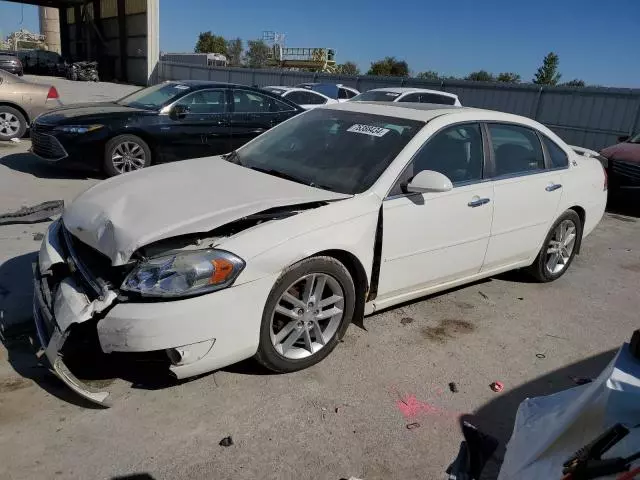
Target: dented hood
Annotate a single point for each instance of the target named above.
(122, 214)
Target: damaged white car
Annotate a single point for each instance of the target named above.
(271, 251)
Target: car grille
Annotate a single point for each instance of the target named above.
(46, 145)
(626, 173)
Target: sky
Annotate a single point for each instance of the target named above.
(596, 42)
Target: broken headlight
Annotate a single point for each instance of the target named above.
(184, 274)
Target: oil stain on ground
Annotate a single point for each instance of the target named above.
(634, 267)
(622, 218)
(11, 384)
(447, 329)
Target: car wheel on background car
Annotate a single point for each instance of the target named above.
(126, 153)
(559, 248)
(12, 123)
(306, 314)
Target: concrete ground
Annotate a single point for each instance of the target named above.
(345, 417)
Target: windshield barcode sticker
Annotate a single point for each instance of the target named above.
(368, 130)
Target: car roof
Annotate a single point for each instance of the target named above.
(206, 83)
(413, 90)
(295, 89)
(428, 111)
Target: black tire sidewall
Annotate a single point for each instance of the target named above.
(23, 122)
(108, 167)
(267, 354)
(540, 271)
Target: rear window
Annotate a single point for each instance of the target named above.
(376, 96)
(557, 156)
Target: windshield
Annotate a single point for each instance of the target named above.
(635, 139)
(156, 97)
(375, 96)
(335, 150)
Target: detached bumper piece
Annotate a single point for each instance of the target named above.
(52, 341)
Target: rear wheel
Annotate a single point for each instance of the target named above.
(559, 248)
(12, 123)
(126, 153)
(307, 312)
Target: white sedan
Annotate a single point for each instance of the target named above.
(273, 250)
(409, 95)
(307, 99)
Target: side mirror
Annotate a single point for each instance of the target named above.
(178, 112)
(623, 138)
(429, 181)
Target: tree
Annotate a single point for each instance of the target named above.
(429, 75)
(389, 66)
(234, 52)
(576, 82)
(508, 77)
(210, 43)
(548, 74)
(257, 54)
(480, 76)
(348, 68)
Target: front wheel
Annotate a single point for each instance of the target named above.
(126, 153)
(12, 123)
(306, 314)
(559, 248)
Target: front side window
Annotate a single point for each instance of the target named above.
(340, 151)
(205, 102)
(557, 156)
(456, 152)
(342, 93)
(315, 99)
(297, 97)
(516, 149)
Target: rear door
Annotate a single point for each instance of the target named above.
(203, 130)
(527, 194)
(253, 113)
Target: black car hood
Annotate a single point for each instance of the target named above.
(89, 112)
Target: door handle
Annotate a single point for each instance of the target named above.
(552, 187)
(478, 202)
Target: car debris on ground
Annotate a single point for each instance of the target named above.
(226, 442)
(497, 386)
(38, 213)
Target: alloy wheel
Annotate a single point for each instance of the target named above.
(561, 247)
(307, 316)
(128, 156)
(9, 124)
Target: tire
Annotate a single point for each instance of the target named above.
(12, 123)
(306, 349)
(134, 152)
(540, 269)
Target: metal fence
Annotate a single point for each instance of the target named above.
(589, 117)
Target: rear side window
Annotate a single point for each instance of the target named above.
(342, 93)
(557, 156)
(435, 98)
(516, 149)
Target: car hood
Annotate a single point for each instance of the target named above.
(124, 213)
(623, 151)
(88, 112)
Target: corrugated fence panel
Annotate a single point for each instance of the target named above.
(590, 117)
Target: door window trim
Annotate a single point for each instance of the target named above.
(485, 151)
(546, 159)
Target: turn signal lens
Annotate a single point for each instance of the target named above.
(222, 269)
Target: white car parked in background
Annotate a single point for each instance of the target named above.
(413, 95)
(272, 250)
(344, 93)
(307, 99)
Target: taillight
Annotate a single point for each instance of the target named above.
(53, 93)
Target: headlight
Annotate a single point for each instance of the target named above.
(184, 274)
(78, 128)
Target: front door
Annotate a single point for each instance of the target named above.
(202, 130)
(253, 113)
(434, 238)
(527, 195)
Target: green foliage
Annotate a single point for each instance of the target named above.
(257, 54)
(480, 76)
(234, 52)
(348, 68)
(508, 77)
(429, 75)
(390, 67)
(548, 74)
(576, 82)
(210, 43)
